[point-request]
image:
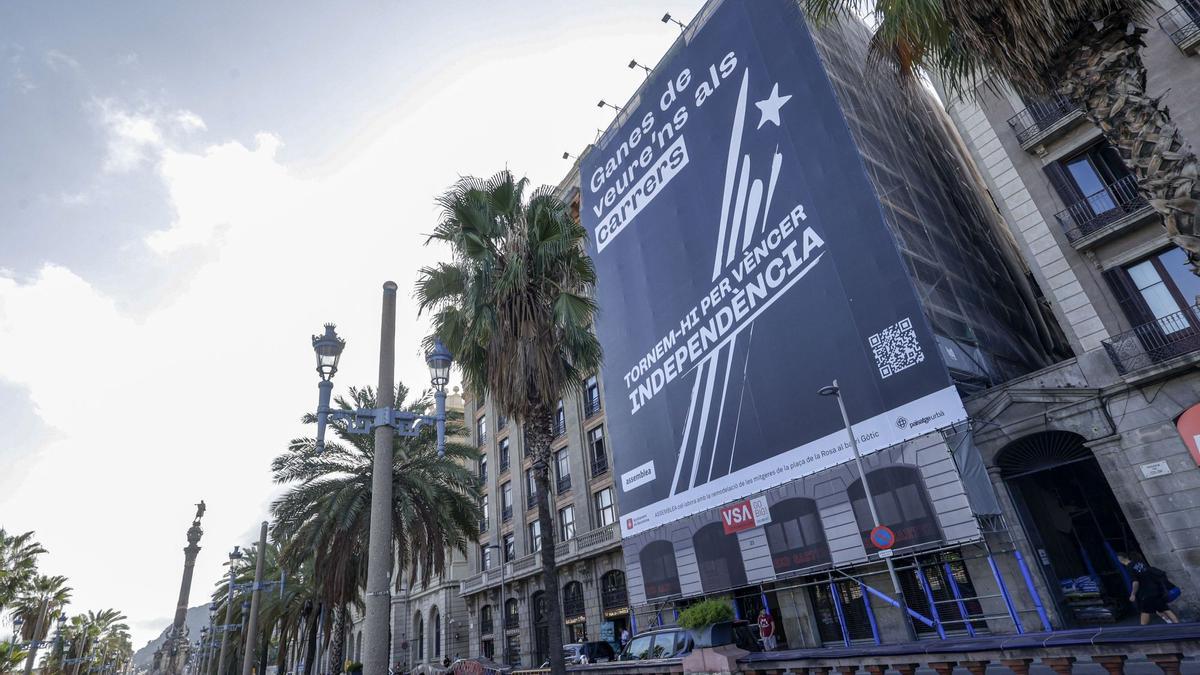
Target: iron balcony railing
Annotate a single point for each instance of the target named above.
(599, 466)
(504, 460)
(1101, 208)
(512, 621)
(1157, 341)
(559, 427)
(483, 439)
(531, 500)
(573, 607)
(485, 626)
(614, 598)
(1040, 116)
(564, 484)
(483, 524)
(483, 473)
(506, 513)
(1182, 23)
(591, 406)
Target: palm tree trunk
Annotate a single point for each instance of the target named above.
(537, 439)
(337, 641)
(281, 654)
(1105, 73)
(263, 650)
(310, 649)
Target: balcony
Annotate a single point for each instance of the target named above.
(531, 500)
(558, 428)
(1045, 120)
(485, 626)
(1182, 24)
(504, 461)
(483, 524)
(506, 513)
(1157, 342)
(563, 484)
(591, 406)
(599, 466)
(573, 607)
(1105, 213)
(512, 621)
(614, 598)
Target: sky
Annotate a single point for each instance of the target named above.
(189, 190)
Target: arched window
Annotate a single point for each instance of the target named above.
(719, 557)
(903, 504)
(511, 615)
(572, 600)
(659, 572)
(612, 590)
(795, 535)
(485, 620)
(419, 636)
(435, 618)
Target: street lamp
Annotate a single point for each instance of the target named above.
(633, 63)
(503, 615)
(385, 422)
(234, 555)
(667, 18)
(835, 391)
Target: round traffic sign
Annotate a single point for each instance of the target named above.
(883, 537)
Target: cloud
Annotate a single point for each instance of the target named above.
(59, 61)
(189, 121)
(133, 136)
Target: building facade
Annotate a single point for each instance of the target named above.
(1085, 454)
(505, 616)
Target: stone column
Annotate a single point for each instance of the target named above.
(178, 639)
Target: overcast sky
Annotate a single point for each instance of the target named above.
(189, 190)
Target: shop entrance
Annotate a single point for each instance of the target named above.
(1074, 522)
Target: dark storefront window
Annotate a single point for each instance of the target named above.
(719, 557)
(613, 594)
(659, 573)
(937, 570)
(541, 629)
(485, 620)
(795, 535)
(572, 601)
(848, 597)
(903, 504)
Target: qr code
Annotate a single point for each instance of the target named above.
(896, 348)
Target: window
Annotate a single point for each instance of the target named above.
(483, 467)
(530, 488)
(591, 396)
(596, 450)
(1096, 187)
(639, 647)
(501, 422)
(511, 617)
(485, 557)
(506, 505)
(719, 557)
(1166, 286)
(606, 513)
(512, 645)
(485, 620)
(419, 636)
(659, 573)
(535, 537)
(481, 430)
(572, 600)
(510, 547)
(560, 420)
(566, 523)
(436, 619)
(795, 535)
(903, 503)
(612, 591)
(488, 647)
(503, 452)
(562, 464)
(483, 512)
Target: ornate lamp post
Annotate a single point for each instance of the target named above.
(234, 555)
(385, 422)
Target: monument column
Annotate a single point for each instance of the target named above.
(178, 639)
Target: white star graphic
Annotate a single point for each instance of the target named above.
(770, 106)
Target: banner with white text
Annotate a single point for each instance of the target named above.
(743, 264)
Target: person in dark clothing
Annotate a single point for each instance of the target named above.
(1150, 588)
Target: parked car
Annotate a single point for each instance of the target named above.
(676, 642)
(582, 653)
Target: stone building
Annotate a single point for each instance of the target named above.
(1085, 454)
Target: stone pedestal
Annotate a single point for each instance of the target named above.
(721, 660)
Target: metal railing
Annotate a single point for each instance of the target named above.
(483, 439)
(564, 484)
(559, 426)
(1101, 208)
(483, 474)
(504, 461)
(599, 465)
(483, 524)
(1040, 116)
(1157, 341)
(614, 598)
(591, 406)
(506, 513)
(531, 500)
(1182, 23)
(485, 626)
(573, 607)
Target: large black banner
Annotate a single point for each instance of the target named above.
(743, 264)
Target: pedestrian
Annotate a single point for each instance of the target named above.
(1151, 588)
(624, 637)
(766, 630)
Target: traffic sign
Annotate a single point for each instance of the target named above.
(883, 537)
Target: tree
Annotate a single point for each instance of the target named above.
(325, 514)
(18, 564)
(514, 305)
(38, 606)
(1087, 50)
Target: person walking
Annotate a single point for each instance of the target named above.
(1151, 589)
(624, 638)
(766, 630)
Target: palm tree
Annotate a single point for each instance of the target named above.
(325, 515)
(38, 607)
(18, 564)
(1087, 50)
(11, 656)
(514, 306)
